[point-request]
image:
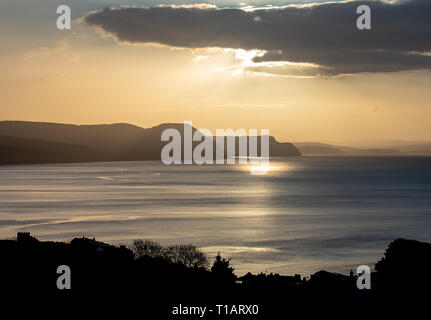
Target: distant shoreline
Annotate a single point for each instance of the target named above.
(203, 165)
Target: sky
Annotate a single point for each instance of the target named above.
(300, 68)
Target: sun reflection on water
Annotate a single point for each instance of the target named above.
(261, 169)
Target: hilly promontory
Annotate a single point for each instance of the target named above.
(23, 142)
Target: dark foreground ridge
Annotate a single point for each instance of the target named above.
(160, 278)
(23, 142)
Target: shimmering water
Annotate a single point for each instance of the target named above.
(306, 214)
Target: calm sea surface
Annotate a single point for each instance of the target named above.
(306, 214)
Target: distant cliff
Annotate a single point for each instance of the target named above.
(23, 142)
(315, 148)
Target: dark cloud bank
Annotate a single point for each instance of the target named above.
(324, 34)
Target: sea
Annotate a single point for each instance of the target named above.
(305, 214)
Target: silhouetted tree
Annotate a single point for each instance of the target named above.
(187, 255)
(404, 271)
(221, 268)
(147, 248)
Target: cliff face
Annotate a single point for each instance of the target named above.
(282, 149)
(39, 142)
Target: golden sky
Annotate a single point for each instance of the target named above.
(82, 76)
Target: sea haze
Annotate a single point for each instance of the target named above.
(308, 213)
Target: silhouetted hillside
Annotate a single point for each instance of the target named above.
(423, 148)
(24, 151)
(315, 148)
(158, 278)
(40, 142)
(318, 148)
